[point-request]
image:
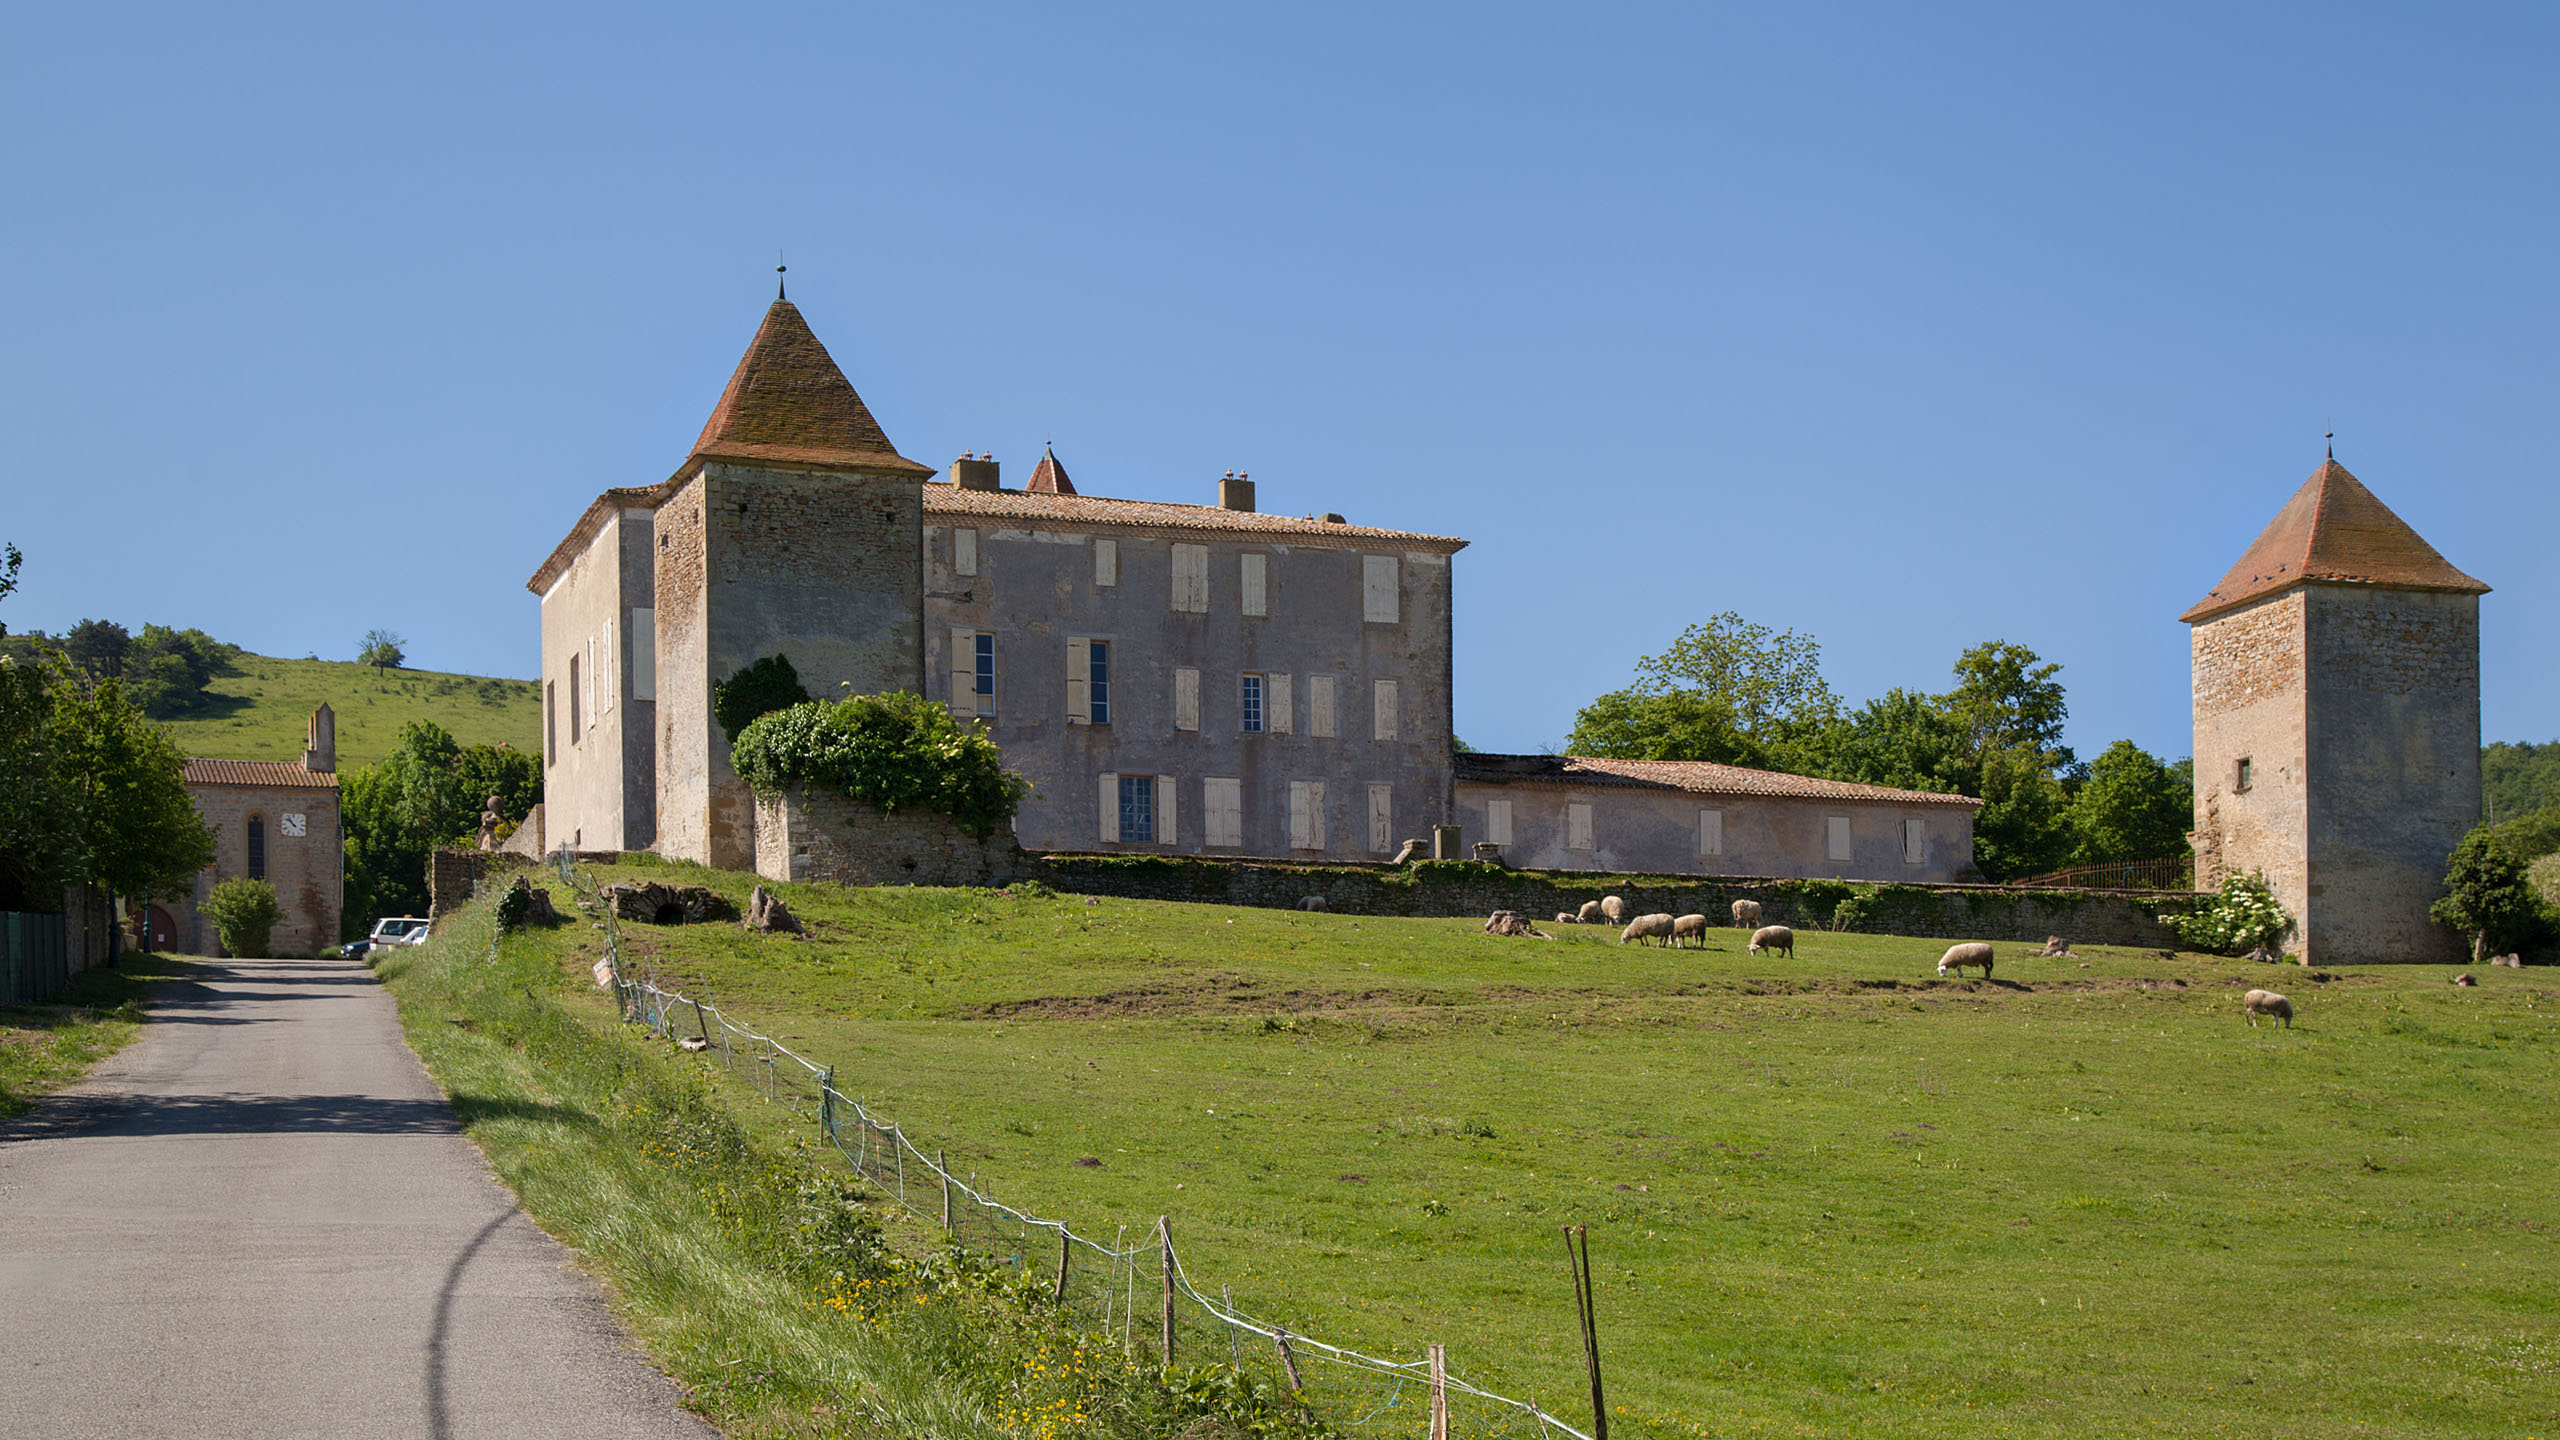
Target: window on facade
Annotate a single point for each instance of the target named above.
(257, 848)
(1497, 821)
(986, 673)
(1320, 706)
(588, 694)
(1378, 589)
(964, 552)
(1106, 562)
(1382, 701)
(1306, 814)
(2240, 776)
(550, 722)
(1186, 699)
(609, 686)
(1137, 809)
(1088, 682)
(1710, 832)
(1382, 818)
(576, 725)
(1249, 703)
(973, 672)
(1221, 811)
(1191, 579)
(1835, 835)
(1915, 842)
(1577, 827)
(1253, 572)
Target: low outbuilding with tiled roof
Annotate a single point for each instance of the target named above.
(272, 820)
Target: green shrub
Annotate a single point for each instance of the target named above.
(1821, 902)
(768, 685)
(2544, 876)
(2487, 897)
(2244, 916)
(896, 751)
(244, 912)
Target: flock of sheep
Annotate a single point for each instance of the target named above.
(1780, 940)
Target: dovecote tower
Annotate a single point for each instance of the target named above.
(2337, 723)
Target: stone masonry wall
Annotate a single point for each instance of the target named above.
(804, 836)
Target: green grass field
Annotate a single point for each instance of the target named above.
(1832, 1195)
(260, 712)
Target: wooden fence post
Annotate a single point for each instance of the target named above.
(1164, 1236)
(1439, 1393)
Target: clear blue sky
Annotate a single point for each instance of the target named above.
(1907, 326)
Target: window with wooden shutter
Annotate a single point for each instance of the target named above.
(1250, 707)
(577, 716)
(1577, 827)
(1382, 706)
(1110, 808)
(1254, 574)
(1186, 699)
(551, 722)
(964, 671)
(1277, 715)
(644, 652)
(1320, 706)
(1106, 562)
(1137, 809)
(1167, 833)
(1382, 818)
(1191, 579)
(1306, 815)
(964, 552)
(611, 684)
(1835, 834)
(1378, 589)
(1222, 811)
(587, 686)
(1079, 682)
(1497, 821)
(1710, 832)
(1915, 842)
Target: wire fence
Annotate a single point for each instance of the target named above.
(1134, 1289)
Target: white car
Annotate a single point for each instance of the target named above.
(398, 930)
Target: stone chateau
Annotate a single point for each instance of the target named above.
(1206, 679)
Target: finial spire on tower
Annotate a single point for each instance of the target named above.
(779, 290)
(2332, 438)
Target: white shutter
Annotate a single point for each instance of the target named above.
(1186, 699)
(1191, 579)
(1915, 842)
(1221, 812)
(1710, 832)
(1106, 562)
(1110, 809)
(1306, 814)
(1276, 711)
(644, 652)
(1079, 682)
(1836, 837)
(1382, 818)
(589, 680)
(1383, 704)
(1256, 592)
(1165, 831)
(964, 672)
(1320, 706)
(1497, 821)
(612, 684)
(1577, 827)
(1378, 589)
(964, 552)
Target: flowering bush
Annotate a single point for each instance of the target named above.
(896, 751)
(2245, 916)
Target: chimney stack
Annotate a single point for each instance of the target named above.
(320, 750)
(974, 472)
(1235, 492)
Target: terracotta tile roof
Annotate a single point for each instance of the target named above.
(789, 403)
(942, 499)
(1700, 777)
(266, 774)
(1051, 477)
(2333, 529)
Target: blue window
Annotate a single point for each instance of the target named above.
(1253, 704)
(986, 659)
(1099, 693)
(1138, 809)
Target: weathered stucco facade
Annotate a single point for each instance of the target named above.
(599, 716)
(2337, 724)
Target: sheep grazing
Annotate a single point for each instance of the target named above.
(1613, 908)
(2266, 1002)
(1774, 938)
(1311, 902)
(1647, 927)
(1566, 917)
(1746, 914)
(1589, 914)
(1690, 927)
(1972, 952)
(2464, 979)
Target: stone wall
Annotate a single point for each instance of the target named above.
(1439, 888)
(803, 836)
(307, 870)
(454, 876)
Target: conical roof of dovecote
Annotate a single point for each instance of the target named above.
(1051, 477)
(789, 404)
(2333, 529)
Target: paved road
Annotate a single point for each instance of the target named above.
(261, 1219)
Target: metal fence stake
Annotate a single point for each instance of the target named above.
(1164, 1237)
(1066, 1247)
(946, 1191)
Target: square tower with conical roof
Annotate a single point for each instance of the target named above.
(2337, 723)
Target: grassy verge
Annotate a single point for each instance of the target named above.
(46, 1047)
(1828, 1195)
(747, 1264)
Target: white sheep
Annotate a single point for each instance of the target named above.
(1567, 917)
(1746, 914)
(1589, 914)
(1773, 938)
(1613, 908)
(2266, 1002)
(1972, 952)
(1647, 927)
(1690, 927)
(1311, 902)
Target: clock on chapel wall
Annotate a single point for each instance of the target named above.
(291, 824)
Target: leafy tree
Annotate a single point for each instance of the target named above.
(896, 751)
(10, 560)
(1637, 724)
(2132, 807)
(98, 647)
(1769, 681)
(2007, 699)
(139, 830)
(513, 775)
(381, 651)
(167, 671)
(2534, 835)
(244, 913)
(761, 688)
(39, 816)
(2023, 827)
(1904, 739)
(2519, 779)
(2487, 896)
(396, 812)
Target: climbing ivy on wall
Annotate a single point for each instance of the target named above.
(896, 751)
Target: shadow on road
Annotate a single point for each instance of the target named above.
(118, 1116)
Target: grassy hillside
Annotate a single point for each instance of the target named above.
(1828, 1196)
(259, 713)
